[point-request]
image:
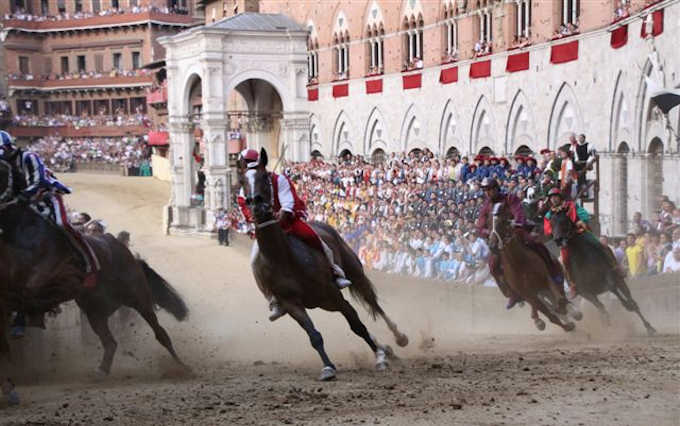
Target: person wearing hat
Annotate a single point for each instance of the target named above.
(291, 212)
(530, 166)
(514, 205)
(501, 167)
(521, 166)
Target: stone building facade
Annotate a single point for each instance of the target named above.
(386, 77)
(85, 57)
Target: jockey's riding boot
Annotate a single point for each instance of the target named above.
(340, 279)
(276, 310)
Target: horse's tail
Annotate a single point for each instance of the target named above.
(362, 288)
(163, 294)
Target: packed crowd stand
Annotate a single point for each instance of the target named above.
(78, 75)
(61, 153)
(415, 214)
(23, 15)
(101, 120)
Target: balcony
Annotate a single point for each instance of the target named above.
(159, 96)
(78, 132)
(81, 83)
(118, 20)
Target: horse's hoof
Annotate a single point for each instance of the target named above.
(402, 340)
(569, 326)
(327, 374)
(100, 373)
(651, 331)
(540, 324)
(382, 366)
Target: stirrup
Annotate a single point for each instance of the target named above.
(342, 282)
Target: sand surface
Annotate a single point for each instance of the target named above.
(469, 362)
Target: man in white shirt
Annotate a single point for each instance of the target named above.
(672, 261)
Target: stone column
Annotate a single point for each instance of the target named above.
(180, 168)
(295, 128)
(217, 171)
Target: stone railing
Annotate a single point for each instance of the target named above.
(99, 21)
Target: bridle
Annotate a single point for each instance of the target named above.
(572, 229)
(266, 206)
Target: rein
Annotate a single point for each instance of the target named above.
(266, 223)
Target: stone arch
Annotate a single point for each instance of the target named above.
(449, 129)
(375, 133)
(373, 17)
(649, 118)
(412, 10)
(485, 150)
(654, 175)
(412, 130)
(565, 117)
(483, 129)
(343, 134)
(519, 129)
(378, 156)
(340, 24)
(287, 96)
(524, 150)
(621, 116)
(313, 34)
(192, 75)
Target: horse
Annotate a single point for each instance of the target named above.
(300, 277)
(527, 274)
(42, 269)
(592, 269)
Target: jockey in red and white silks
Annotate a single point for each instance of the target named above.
(292, 213)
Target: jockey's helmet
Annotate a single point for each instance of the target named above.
(488, 183)
(5, 138)
(250, 157)
(555, 191)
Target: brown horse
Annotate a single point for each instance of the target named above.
(527, 274)
(300, 277)
(42, 269)
(593, 267)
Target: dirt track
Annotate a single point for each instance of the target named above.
(469, 361)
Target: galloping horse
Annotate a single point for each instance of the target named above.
(592, 270)
(301, 278)
(42, 269)
(527, 274)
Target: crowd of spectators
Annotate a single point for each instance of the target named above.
(23, 15)
(61, 153)
(119, 119)
(653, 247)
(82, 75)
(415, 214)
(481, 48)
(566, 30)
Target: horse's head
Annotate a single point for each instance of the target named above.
(562, 227)
(257, 187)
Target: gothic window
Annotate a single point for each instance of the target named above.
(413, 43)
(570, 12)
(376, 56)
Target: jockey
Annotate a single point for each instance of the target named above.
(43, 193)
(291, 212)
(493, 196)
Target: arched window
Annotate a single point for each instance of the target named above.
(375, 45)
(312, 55)
(413, 42)
(452, 152)
(316, 155)
(524, 150)
(378, 156)
(450, 38)
(486, 151)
